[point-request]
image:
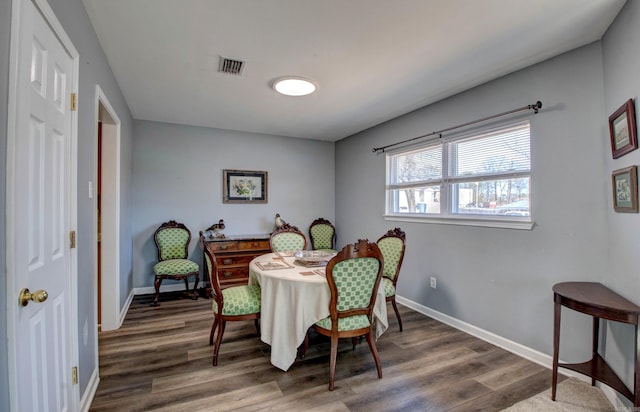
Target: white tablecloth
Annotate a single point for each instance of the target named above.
(293, 302)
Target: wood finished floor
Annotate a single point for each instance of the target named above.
(160, 360)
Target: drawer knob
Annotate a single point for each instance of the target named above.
(227, 274)
(227, 261)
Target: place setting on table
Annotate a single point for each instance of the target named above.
(295, 295)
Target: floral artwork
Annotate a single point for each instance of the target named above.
(243, 186)
(624, 183)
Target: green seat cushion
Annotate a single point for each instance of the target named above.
(344, 324)
(175, 267)
(239, 300)
(389, 289)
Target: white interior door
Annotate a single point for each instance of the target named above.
(40, 217)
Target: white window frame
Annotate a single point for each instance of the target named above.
(446, 182)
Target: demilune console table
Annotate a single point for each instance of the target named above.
(596, 300)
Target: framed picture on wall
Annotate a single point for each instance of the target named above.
(622, 129)
(625, 189)
(244, 186)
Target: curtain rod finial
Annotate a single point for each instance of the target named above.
(536, 106)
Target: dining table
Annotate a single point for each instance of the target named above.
(294, 297)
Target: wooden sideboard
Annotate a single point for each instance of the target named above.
(233, 254)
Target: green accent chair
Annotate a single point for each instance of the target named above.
(234, 303)
(287, 238)
(172, 241)
(353, 276)
(392, 245)
(322, 234)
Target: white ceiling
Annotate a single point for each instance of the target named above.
(372, 59)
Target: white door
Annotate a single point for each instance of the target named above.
(40, 215)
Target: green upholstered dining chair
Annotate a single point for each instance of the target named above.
(287, 238)
(172, 242)
(353, 276)
(392, 245)
(233, 303)
(322, 234)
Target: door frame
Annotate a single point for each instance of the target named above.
(110, 241)
(12, 309)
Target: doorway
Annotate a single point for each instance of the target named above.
(107, 195)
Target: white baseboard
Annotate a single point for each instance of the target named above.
(170, 287)
(530, 354)
(125, 308)
(506, 344)
(90, 391)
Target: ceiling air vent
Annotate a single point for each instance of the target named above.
(230, 66)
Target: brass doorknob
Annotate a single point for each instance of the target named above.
(38, 296)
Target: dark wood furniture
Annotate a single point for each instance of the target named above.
(322, 234)
(172, 242)
(392, 245)
(243, 303)
(596, 300)
(353, 294)
(232, 255)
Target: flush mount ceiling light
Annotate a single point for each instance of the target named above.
(294, 86)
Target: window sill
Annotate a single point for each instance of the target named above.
(518, 224)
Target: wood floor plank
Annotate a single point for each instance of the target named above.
(160, 360)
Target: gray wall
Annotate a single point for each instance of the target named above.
(500, 280)
(5, 30)
(622, 82)
(178, 175)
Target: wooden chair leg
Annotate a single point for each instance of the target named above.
(157, 283)
(195, 286)
(374, 352)
(395, 309)
(216, 348)
(332, 362)
(302, 350)
(257, 324)
(213, 329)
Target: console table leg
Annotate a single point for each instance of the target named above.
(556, 347)
(594, 348)
(636, 374)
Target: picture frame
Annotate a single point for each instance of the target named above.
(244, 186)
(624, 183)
(622, 130)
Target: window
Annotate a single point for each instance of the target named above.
(480, 177)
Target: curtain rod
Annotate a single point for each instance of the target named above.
(535, 107)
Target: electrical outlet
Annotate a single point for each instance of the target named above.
(433, 282)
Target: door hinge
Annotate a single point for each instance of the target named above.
(74, 375)
(72, 239)
(74, 102)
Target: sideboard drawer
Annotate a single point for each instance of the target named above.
(222, 246)
(223, 260)
(233, 275)
(254, 245)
